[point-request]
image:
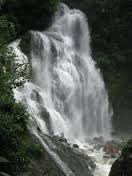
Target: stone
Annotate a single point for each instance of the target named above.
(25, 44)
(75, 146)
(111, 149)
(62, 139)
(36, 96)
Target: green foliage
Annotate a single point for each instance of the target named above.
(15, 142)
(13, 72)
(127, 148)
(27, 150)
(54, 3)
(16, 18)
(7, 30)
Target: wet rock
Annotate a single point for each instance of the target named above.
(6, 166)
(36, 96)
(55, 137)
(46, 116)
(59, 138)
(62, 139)
(107, 156)
(75, 146)
(38, 129)
(78, 162)
(122, 167)
(111, 149)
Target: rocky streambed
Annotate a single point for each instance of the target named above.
(60, 158)
(68, 158)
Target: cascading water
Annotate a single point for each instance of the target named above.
(65, 84)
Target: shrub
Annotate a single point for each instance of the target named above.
(127, 148)
(7, 30)
(15, 141)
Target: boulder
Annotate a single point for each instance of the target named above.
(36, 96)
(111, 149)
(62, 139)
(122, 167)
(75, 146)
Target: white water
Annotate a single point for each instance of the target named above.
(65, 83)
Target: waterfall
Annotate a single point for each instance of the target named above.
(66, 93)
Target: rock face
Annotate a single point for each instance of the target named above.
(44, 166)
(122, 167)
(78, 163)
(6, 166)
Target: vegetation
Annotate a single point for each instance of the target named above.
(15, 141)
(127, 148)
(7, 30)
(29, 14)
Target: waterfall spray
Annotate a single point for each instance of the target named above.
(66, 93)
(66, 83)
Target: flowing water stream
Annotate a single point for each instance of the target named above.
(66, 85)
